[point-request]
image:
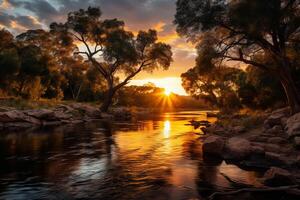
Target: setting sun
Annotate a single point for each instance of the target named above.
(167, 91)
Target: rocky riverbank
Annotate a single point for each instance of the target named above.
(11, 118)
(271, 144)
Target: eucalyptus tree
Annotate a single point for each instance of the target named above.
(260, 33)
(112, 50)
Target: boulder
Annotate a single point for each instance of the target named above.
(239, 129)
(293, 125)
(276, 140)
(213, 145)
(277, 129)
(257, 150)
(43, 114)
(276, 177)
(276, 117)
(237, 148)
(87, 110)
(297, 141)
(17, 116)
(276, 159)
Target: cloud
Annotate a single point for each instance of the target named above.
(18, 24)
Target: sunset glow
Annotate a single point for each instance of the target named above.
(170, 84)
(167, 91)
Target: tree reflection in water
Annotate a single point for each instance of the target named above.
(153, 158)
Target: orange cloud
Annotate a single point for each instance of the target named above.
(17, 26)
(5, 4)
(159, 27)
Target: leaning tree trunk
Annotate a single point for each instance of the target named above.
(109, 94)
(290, 88)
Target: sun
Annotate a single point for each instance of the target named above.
(168, 92)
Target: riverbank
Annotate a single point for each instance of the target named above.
(267, 141)
(19, 114)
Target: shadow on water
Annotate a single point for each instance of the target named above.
(157, 157)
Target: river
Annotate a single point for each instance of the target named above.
(154, 157)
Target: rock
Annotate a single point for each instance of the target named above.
(213, 145)
(275, 117)
(122, 114)
(276, 159)
(18, 125)
(43, 114)
(277, 129)
(107, 116)
(293, 125)
(88, 110)
(51, 123)
(239, 129)
(17, 116)
(276, 140)
(297, 141)
(276, 177)
(211, 114)
(257, 150)
(237, 148)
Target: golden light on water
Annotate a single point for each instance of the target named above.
(167, 129)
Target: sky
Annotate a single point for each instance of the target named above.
(20, 15)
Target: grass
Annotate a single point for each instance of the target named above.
(23, 104)
(248, 118)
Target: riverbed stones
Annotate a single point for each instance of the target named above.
(276, 117)
(237, 148)
(275, 177)
(293, 125)
(277, 159)
(17, 116)
(276, 140)
(297, 141)
(213, 145)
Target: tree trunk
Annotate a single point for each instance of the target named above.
(291, 90)
(109, 94)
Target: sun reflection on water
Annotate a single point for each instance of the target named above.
(167, 129)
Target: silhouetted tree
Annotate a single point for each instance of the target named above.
(112, 50)
(260, 33)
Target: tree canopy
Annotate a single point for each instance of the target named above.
(260, 33)
(111, 49)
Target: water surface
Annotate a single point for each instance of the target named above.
(154, 157)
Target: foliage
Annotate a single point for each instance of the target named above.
(260, 33)
(111, 49)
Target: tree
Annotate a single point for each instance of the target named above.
(245, 30)
(113, 50)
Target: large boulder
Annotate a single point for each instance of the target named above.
(293, 125)
(17, 116)
(213, 145)
(275, 177)
(237, 148)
